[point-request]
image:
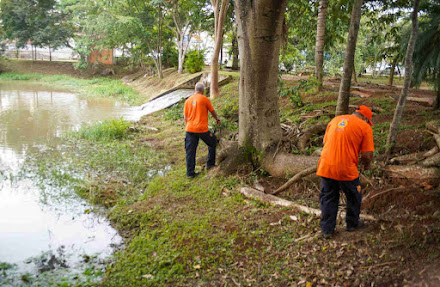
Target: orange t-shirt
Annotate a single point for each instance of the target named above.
(196, 113)
(346, 136)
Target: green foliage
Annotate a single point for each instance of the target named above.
(194, 61)
(427, 50)
(293, 94)
(44, 23)
(105, 131)
(308, 85)
(175, 112)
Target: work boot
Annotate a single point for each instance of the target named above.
(327, 235)
(193, 175)
(361, 224)
(211, 166)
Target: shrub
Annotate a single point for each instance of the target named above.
(293, 94)
(194, 61)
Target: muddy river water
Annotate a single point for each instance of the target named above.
(39, 231)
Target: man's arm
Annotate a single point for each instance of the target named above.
(214, 114)
(184, 119)
(366, 158)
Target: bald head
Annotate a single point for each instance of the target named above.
(200, 88)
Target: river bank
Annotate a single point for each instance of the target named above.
(202, 232)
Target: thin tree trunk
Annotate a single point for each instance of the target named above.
(320, 40)
(394, 128)
(221, 53)
(344, 89)
(354, 74)
(219, 18)
(234, 52)
(393, 66)
(259, 39)
(50, 54)
(159, 45)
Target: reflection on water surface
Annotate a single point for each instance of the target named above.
(32, 117)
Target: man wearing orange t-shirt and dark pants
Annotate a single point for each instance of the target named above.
(196, 125)
(346, 137)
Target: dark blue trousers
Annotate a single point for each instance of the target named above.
(191, 143)
(329, 200)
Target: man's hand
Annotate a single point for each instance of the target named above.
(219, 123)
(366, 158)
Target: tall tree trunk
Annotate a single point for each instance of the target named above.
(259, 39)
(219, 18)
(344, 89)
(393, 66)
(320, 40)
(234, 51)
(394, 128)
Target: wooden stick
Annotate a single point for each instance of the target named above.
(274, 200)
(378, 265)
(383, 192)
(364, 178)
(295, 178)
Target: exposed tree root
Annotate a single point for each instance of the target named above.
(294, 179)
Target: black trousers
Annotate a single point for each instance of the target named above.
(191, 143)
(329, 199)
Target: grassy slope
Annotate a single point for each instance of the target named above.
(201, 232)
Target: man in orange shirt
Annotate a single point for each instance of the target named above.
(195, 115)
(346, 137)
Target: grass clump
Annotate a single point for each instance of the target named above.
(105, 131)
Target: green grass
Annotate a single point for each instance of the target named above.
(87, 88)
(201, 231)
(105, 131)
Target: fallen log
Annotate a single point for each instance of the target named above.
(433, 160)
(274, 200)
(296, 178)
(428, 102)
(404, 174)
(411, 158)
(285, 164)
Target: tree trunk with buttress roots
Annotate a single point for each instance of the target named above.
(259, 38)
(394, 128)
(344, 89)
(320, 40)
(220, 8)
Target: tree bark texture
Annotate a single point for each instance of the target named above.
(344, 89)
(320, 41)
(284, 165)
(394, 128)
(220, 9)
(259, 39)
